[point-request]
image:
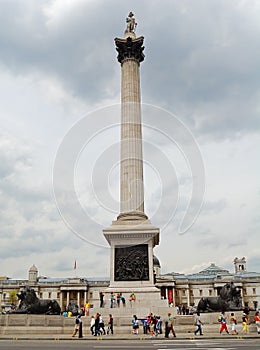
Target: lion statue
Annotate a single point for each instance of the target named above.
(229, 299)
(29, 303)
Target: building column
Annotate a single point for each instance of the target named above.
(188, 296)
(78, 299)
(61, 300)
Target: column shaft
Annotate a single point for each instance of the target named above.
(132, 189)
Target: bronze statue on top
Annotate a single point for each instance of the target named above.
(131, 24)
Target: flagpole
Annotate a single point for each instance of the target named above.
(75, 267)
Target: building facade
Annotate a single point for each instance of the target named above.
(178, 289)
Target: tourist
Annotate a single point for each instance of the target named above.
(145, 325)
(183, 309)
(112, 300)
(97, 330)
(123, 299)
(158, 326)
(110, 325)
(233, 322)
(152, 323)
(78, 326)
(246, 311)
(187, 310)
(135, 323)
(86, 308)
(92, 325)
(257, 321)
(199, 324)
(118, 299)
(169, 326)
(132, 298)
(223, 321)
(101, 325)
(101, 298)
(244, 323)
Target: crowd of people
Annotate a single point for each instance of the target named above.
(245, 321)
(116, 299)
(153, 325)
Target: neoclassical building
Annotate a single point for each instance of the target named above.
(178, 289)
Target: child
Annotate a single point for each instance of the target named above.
(135, 324)
(233, 322)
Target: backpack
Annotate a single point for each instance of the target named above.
(219, 318)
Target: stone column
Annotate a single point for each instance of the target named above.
(130, 54)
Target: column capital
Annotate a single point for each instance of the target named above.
(130, 48)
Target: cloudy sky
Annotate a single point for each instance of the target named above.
(60, 94)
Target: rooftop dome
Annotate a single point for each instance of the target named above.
(214, 270)
(33, 269)
(156, 261)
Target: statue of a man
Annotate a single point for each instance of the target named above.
(130, 23)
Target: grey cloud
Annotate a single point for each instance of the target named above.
(196, 62)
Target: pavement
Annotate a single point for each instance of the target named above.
(140, 336)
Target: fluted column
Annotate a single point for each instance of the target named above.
(130, 54)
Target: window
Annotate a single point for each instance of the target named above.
(200, 292)
(254, 291)
(58, 295)
(244, 291)
(49, 295)
(210, 292)
(183, 292)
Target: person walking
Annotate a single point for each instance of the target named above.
(92, 325)
(158, 327)
(101, 325)
(135, 323)
(97, 330)
(199, 324)
(110, 325)
(257, 321)
(169, 326)
(78, 327)
(244, 323)
(233, 322)
(223, 322)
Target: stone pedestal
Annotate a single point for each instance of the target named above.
(131, 259)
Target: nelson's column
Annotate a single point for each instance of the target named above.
(132, 237)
